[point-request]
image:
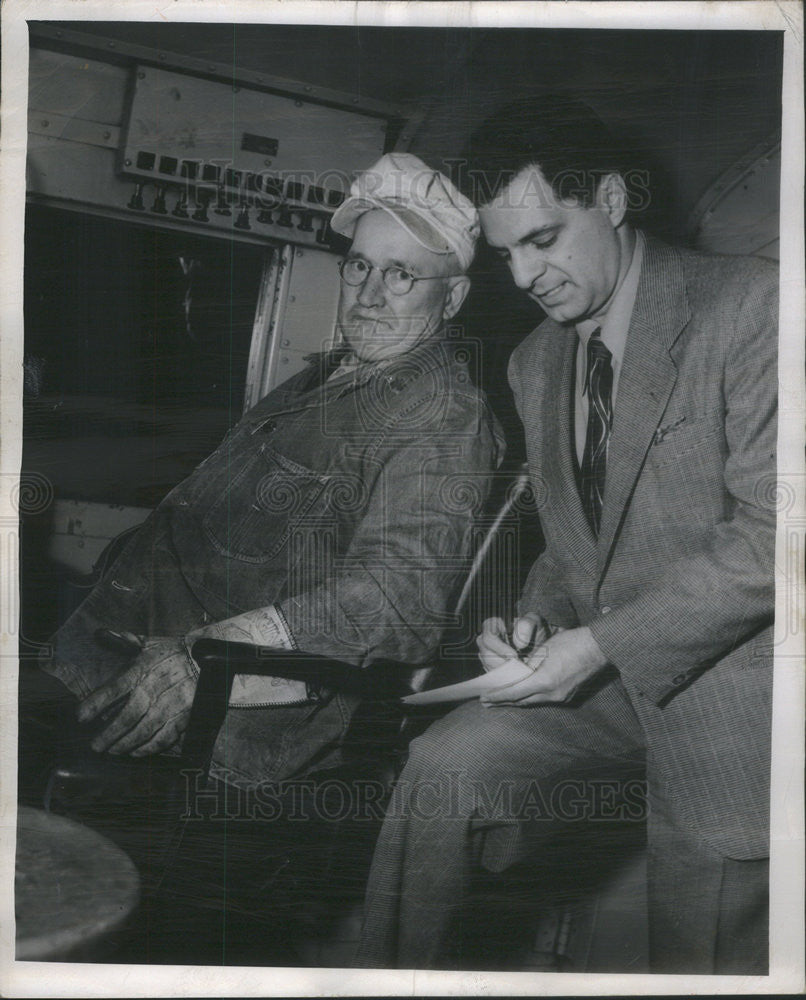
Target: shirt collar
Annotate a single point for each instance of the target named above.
(615, 323)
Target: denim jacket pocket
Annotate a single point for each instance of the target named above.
(253, 515)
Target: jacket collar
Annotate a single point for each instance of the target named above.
(397, 374)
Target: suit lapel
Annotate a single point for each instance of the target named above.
(556, 461)
(646, 382)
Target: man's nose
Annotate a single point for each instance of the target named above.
(526, 269)
(373, 291)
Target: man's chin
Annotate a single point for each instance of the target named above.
(373, 346)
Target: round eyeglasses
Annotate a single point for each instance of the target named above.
(355, 271)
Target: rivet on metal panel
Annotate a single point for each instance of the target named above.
(111, 45)
(127, 163)
(300, 253)
(141, 75)
(308, 90)
(162, 56)
(45, 123)
(107, 135)
(297, 104)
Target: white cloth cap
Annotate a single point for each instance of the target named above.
(423, 201)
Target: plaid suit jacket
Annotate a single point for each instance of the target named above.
(678, 590)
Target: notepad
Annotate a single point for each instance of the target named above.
(510, 672)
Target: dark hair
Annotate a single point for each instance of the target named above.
(562, 136)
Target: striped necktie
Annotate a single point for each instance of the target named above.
(600, 421)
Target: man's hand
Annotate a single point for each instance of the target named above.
(561, 665)
(495, 647)
(159, 685)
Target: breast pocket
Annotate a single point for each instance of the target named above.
(252, 517)
(685, 442)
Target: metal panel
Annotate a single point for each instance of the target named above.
(178, 119)
(263, 328)
(78, 103)
(740, 212)
(305, 310)
(73, 129)
(86, 89)
(81, 531)
(124, 53)
(79, 175)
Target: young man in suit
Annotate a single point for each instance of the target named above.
(648, 397)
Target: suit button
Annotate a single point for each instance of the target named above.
(606, 610)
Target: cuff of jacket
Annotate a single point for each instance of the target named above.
(641, 664)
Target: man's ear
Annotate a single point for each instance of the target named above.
(458, 287)
(611, 197)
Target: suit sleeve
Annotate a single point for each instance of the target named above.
(541, 592)
(711, 601)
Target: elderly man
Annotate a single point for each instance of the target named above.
(325, 521)
(648, 398)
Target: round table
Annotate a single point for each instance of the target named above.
(73, 887)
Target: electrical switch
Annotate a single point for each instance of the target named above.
(159, 202)
(136, 200)
(284, 219)
(203, 199)
(242, 222)
(222, 206)
(181, 208)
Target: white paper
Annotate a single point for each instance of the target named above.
(510, 672)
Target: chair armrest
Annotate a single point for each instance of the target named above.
(219, 660)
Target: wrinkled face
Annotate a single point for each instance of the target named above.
(376, 323)
(566, 257)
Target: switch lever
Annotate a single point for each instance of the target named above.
(242, 222)
(136, 200)
(222, 206)
(284, 219)
(181, 208)
(159, 202)
(203, 199)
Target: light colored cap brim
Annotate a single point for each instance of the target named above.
(345, 218)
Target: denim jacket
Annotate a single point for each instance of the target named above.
(349, 505)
